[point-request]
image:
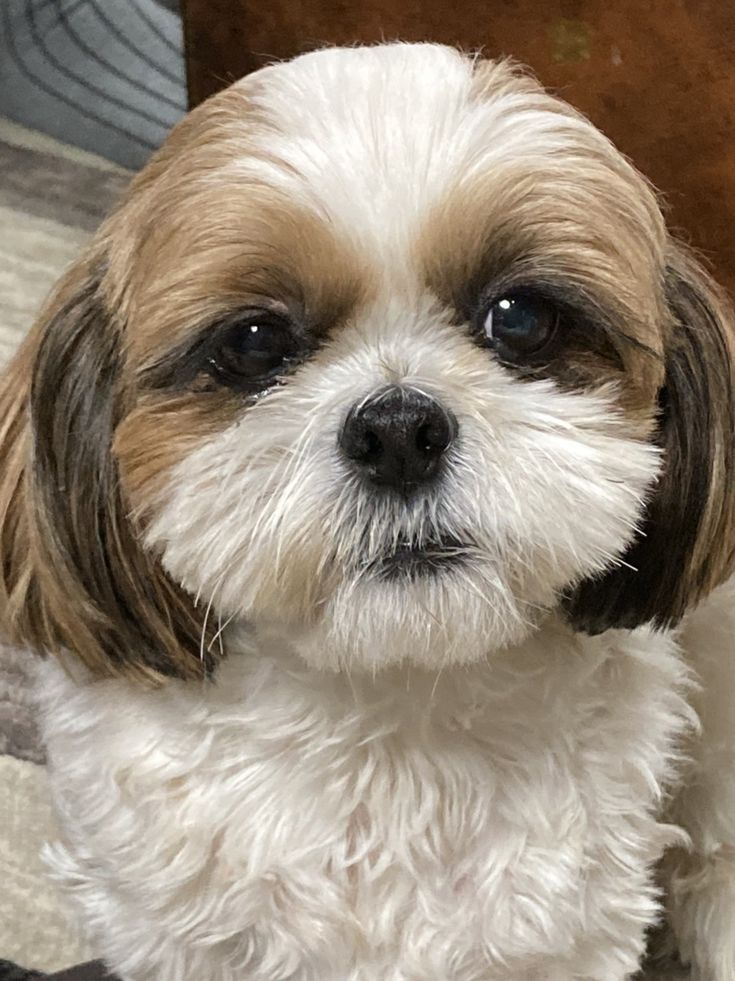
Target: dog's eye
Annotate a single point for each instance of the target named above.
(253, 350)
(520, 324)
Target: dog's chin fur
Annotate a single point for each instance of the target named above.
(437, 622)
(307, 728)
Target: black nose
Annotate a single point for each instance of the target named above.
(398, 437)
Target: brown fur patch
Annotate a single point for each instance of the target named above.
(159, 433)
(687, 543)
(190, 243)
(15, 564)
(200, 236)
(242, 250)
(74, 575)
(565, 213)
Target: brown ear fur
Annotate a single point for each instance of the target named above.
(73, 574)
(686, 546)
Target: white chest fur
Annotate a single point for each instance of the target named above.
(495, 822)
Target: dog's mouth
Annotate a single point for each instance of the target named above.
(411, 559)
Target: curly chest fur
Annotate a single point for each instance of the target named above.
(289, 824)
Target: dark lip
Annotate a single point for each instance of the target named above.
(413, 559)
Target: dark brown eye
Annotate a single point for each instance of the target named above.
(254, 349)
(520, 324)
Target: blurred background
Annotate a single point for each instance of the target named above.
(108, 77)
(88, 91)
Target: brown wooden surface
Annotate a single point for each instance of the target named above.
(658, 76)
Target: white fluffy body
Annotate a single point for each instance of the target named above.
(423, 779)
(491, 822)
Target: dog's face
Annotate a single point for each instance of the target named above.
(387, 351)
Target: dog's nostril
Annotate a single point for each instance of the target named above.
(398, 437)
(434, 436)
(373, 446)
(424, 441)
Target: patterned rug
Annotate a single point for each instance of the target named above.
(105, 75)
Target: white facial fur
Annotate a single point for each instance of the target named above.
(266, 523)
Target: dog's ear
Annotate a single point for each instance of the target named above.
(73, 574)
(686, 545)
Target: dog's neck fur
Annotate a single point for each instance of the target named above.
(440, 821)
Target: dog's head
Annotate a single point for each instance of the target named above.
(388, 350)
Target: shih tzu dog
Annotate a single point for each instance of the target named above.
(363, 478)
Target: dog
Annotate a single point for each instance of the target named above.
(370, 478)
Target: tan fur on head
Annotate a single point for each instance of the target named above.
(381, 249)
(74, 575)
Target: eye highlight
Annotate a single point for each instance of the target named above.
(252, 351)
(520, 324)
